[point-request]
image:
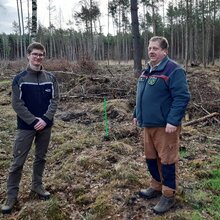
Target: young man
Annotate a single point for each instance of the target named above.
(35, 97)
(161, 100)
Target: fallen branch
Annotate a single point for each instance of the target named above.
(69, 97)
(196, 121)
(100, 80)
(204, 138)
(66, 72)
(207, 112)
(110, 71)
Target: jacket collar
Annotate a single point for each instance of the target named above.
(160, 66)
(34, 71)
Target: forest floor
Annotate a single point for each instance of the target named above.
(94, 177)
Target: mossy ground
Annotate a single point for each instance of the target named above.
(91, 177)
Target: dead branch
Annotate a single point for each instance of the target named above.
(69, 97)
(109, 71)
(64, 72)
(100, 79)
(196, 121)
(206, 111)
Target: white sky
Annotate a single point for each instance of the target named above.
(8, 13)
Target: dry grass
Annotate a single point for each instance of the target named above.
(96, 179)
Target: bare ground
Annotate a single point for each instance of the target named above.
(93, 177)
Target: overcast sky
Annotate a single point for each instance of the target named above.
(8, 13)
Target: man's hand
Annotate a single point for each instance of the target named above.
(40, 124)
(170, 128)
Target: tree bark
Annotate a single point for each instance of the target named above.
(20, 35)
(23, 33)
(34, 21)
(136, 38)
(187, 35)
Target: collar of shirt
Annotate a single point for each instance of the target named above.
(153, 67)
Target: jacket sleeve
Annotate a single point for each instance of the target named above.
(49, 115)
(19, 106)
(180, 96)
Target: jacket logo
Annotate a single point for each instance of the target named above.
(152, 80)
(47, 90)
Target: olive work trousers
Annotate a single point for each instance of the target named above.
(21, 148)
(162, 154)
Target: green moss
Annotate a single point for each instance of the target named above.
(201, 174)
(126, 175)
(213, 208)
(62, 151)
(184, 153)
(84, 199)
(5, 85)
(5, 163)
(213, 182)
(58, 138)
(102, 207)
(121, 148)
(105, 174)
(54, 211)
(90, 163)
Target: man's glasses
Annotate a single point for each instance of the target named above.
(41, 55)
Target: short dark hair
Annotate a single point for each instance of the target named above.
(162, 40)
(36, 45)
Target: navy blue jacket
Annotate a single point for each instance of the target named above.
(162, 95)
(34, 94)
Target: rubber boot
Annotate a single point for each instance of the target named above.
(165, 204)
(149, 193)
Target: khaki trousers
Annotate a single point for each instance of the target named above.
(163, 149)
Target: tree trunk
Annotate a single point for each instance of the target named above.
(29, 29)
(203, 34)
(171, 38)
(178, 41)
(191, 43)
(186, 35)
(34, 21)
(136, 38)
(91, 40)
(213, 33)
(153, 19)
(196, 47)
(20, 35)
(108, 36)
(23, 33)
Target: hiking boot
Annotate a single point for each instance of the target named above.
(164, 204)
(149, 193)
(8, 205)
(41, 192)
